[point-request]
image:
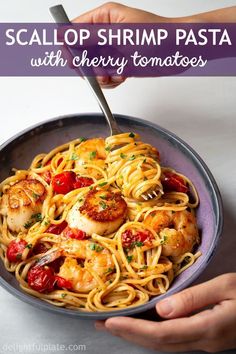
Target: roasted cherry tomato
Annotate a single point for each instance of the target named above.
(15, 250)
(41, 279)
(63, 183)
(74, 233)
(145, 237)
(66, 181)
(47, 176)
(57, 229)
(56, 264)
(62, 282)
(173, 182)
(83, 182)
(40, 248)
(139, 238)
(127, 238)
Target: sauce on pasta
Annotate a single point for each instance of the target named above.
(98, 224)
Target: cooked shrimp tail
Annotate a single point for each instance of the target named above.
(49, 257)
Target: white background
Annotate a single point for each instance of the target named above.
(202, 111)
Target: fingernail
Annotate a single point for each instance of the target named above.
(165, 307)
(103, 79)
(117, 79)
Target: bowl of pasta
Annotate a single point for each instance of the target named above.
(93, 225)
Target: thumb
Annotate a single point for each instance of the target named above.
(192, 299)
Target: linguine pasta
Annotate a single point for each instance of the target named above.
(150, 243)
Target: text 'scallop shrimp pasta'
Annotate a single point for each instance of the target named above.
(79, 229)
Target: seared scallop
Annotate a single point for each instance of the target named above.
(21, 202)
(102, 213)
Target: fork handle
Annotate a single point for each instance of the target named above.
(59, 14)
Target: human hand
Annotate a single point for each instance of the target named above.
(112, 12)
(210, 330)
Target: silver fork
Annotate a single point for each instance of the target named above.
(149, 195)
(59, 14)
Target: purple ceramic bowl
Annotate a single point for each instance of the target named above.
(20, 150)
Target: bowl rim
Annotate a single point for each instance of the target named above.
(219, 221)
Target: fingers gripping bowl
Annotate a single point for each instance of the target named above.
(20, 151)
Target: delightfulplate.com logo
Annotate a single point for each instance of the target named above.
(41, 348)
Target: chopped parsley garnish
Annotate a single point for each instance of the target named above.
(132, 157)
(92, 246)
(102, 184)
(35, 195)
(123, 156)
(108, 148)
(163, 240)
(39, 165)
(63, 295)
(91, 188)
(95, 247)
(144, 267)
(92, 155)
(82, 139)
(99, 248)
(28, 224)
(133, 244)
(104, 197)
(46, 223)
(37, 217)
(129, 258)
(131, 135)
(103, 205)
(74, 157)
(138, 243)
(110, 270)
(29, 246)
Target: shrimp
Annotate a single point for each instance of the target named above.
(178, 230)
(97, 259)
(80, 278)
(91, 151)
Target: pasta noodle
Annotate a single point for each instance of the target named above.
(108, 227)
